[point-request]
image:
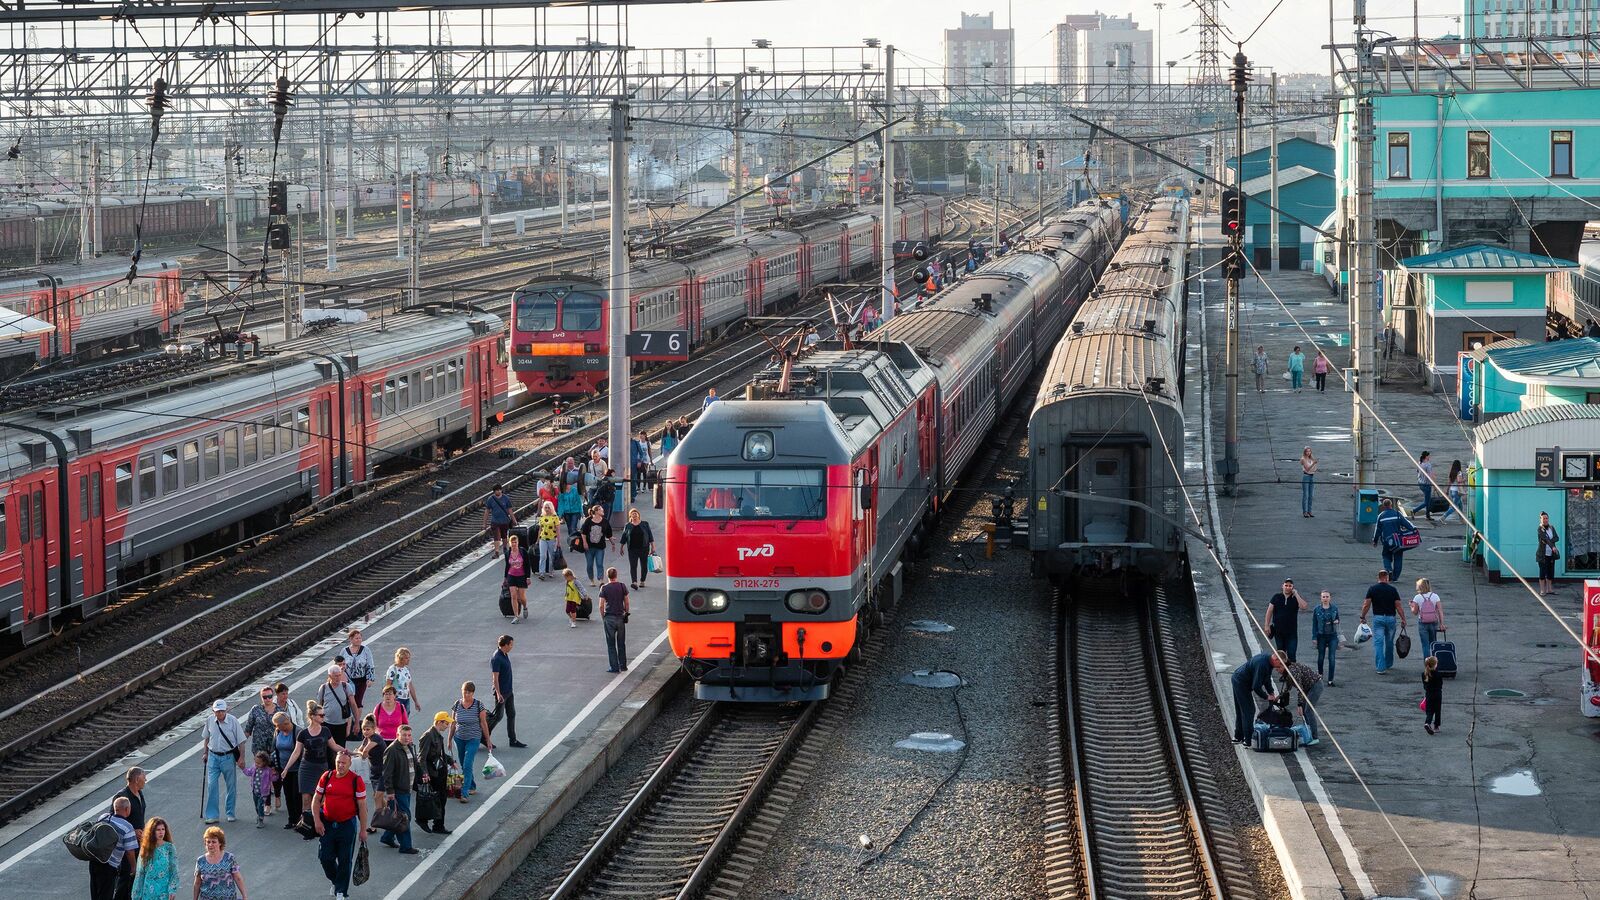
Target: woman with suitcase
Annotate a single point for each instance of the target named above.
(517, 566)
(1429, 610)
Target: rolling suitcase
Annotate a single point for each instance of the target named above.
(1445, 653)
(505, 600)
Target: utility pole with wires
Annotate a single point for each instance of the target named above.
(399, 204)
(1364, 267)
(886, 305)
(230, 209)
(619, 304)
(1233, 221)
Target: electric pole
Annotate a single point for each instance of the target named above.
(618, 304)
(561, 183)
(1272, 138)
(1233, 221)
(399, 205)
(886, 309)
(230, 209)
(1364, 263)
(738, 155)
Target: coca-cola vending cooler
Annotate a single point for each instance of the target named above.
(1591, 647)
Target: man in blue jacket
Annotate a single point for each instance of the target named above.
(639, 461)
(1387, 536)
(1254, 677)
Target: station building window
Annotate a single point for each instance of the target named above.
(1399, 154)
(1477, 154)
(1561, 154)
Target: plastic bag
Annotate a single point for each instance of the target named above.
(1363, 633)
(1287, 376)
(492, 768)
(454, 780)
(655, 564)
(363, 866)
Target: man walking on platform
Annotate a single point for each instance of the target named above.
(107, 879)
(614, 610)
(1252, 679)
(500, 679)
(1282, 620)
(223, 749)
(1383, 602)
(339, 812)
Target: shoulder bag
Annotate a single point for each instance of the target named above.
(390, 818)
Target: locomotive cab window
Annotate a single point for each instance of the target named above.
(580, 312)
(775, 493)
(536, 311)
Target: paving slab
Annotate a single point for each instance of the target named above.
(571, 713)
(1395, 812)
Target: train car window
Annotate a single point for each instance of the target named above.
(377, 402)
(94, 493)
(230, 450)
(535, 311)
(24, 520)
(212, 458)
(252, 443)
(269, 439)
(302, 426)
(4, 537)
(427, 384)
(38, 514)
(191, 463)
(148, 489)
(83, 498)
(580, 312)
(402, 392)
(124, 485)
(389, 395)
(169, 470)
(765, 493)
(286, 431)
(325, 418)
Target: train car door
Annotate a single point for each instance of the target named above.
(355, 431)
(327, 444)
(485, 392)
(34, 536)
(90, 486)
(1106, 473)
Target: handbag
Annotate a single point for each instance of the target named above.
(363, 867)
(1402, 645)
(390, 818)
(659, 496)
(428, 803)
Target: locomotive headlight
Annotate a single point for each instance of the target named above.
(704, 601)
(810, 600)
(758, 446)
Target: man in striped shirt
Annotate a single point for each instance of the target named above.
(105, 879)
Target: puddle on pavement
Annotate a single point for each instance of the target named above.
(930, 742)
(1503, 693)
(1520, 783)
(933, 678)
(1445, 548)
(930, 626)
(1264, 566)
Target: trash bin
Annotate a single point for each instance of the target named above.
(1366, 523)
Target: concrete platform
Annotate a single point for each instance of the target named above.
(572, 713)
(1383, 809)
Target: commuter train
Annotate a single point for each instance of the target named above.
(130, 481)
(1106, 433)
(788, 514)
(559, 342)
(94, 309)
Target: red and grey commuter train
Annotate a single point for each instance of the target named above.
(788, 515)
(130, 481)
(559, 342)
(94, 309)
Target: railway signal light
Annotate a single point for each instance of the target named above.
(277, 198)
(1232, 213)
(278, 236)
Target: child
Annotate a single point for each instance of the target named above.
(1432, 694)
(575, 597)
(262, 777)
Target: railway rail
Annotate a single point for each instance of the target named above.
(1135, 809)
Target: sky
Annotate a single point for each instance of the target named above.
(1291, 40)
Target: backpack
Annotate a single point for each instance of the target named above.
(92, 841)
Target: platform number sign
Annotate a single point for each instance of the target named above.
(659, 345)
(1544, 466)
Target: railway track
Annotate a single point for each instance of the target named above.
(1134, 808)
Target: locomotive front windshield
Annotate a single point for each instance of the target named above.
(580, 312)
(754, 494)
(536, 311)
